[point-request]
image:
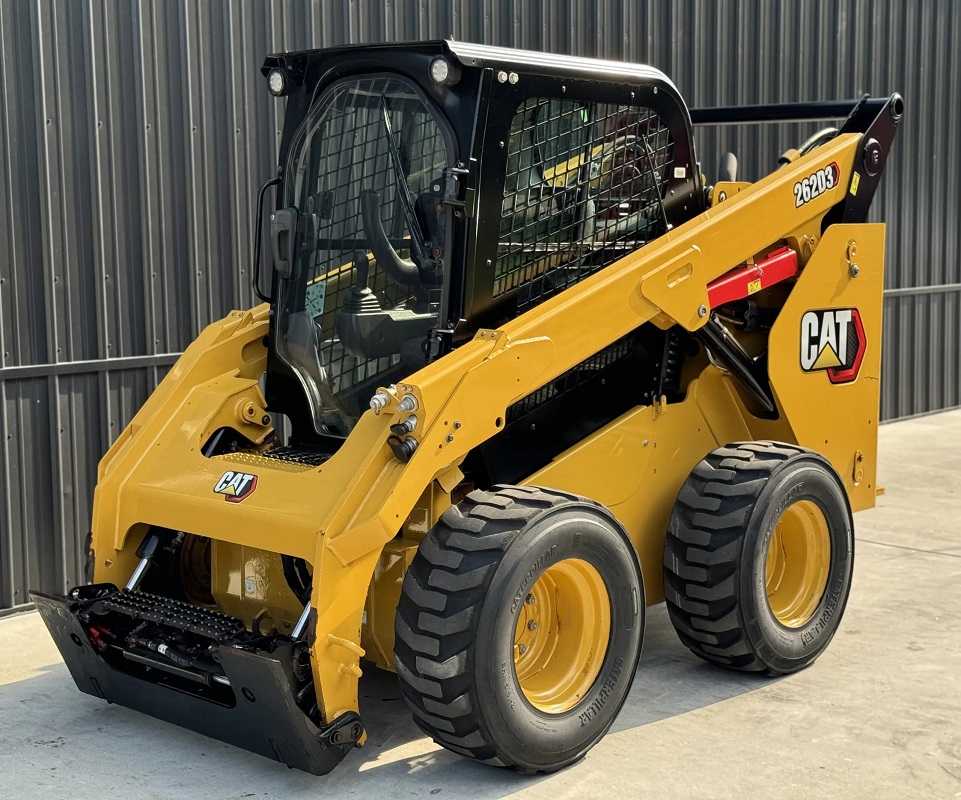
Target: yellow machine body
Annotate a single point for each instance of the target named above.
(357, 518)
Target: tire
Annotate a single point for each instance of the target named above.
(465, 613)
(758, 557)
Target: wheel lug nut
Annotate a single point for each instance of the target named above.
(522, 648)
(531, 600)
(532, 625)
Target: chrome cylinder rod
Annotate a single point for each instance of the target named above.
(301, 625)
(138, 574)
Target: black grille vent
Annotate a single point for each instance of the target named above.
(311, 458)
(589, 369)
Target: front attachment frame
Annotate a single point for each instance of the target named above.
(264, 717)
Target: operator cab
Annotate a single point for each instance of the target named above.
(430, 190)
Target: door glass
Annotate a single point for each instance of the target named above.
(364, 175)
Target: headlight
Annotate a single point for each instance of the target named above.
(443, 73)
(277, 81)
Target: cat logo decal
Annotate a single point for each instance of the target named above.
(833, 341)
(236, 486)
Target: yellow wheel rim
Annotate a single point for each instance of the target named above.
(562, 635)
(797, 563)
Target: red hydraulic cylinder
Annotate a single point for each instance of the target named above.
(741, 282)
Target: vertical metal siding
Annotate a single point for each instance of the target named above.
(134, 136)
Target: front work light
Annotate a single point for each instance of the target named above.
(443, 73)
(277, 81)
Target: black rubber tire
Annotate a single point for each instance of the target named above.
(715, 551)
(455, 625)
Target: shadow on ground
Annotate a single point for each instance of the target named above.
(55, 741)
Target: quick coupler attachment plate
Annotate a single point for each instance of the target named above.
(252, 704)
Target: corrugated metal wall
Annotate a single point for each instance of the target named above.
(134, 135)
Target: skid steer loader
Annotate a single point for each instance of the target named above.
(520, 372)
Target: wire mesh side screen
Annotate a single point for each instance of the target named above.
(584, 187)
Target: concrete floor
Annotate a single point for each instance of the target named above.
(879, 715)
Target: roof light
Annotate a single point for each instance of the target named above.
(443, 73)
(277, 81)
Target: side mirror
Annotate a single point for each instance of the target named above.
(283, 236)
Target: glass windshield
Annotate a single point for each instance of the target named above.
(365, 177)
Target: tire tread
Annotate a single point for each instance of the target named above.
(437, 615)
(702, 550)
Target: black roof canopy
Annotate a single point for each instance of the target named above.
(470, 55)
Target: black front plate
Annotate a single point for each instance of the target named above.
(263, 718)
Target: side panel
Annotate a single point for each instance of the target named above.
(834, 409)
